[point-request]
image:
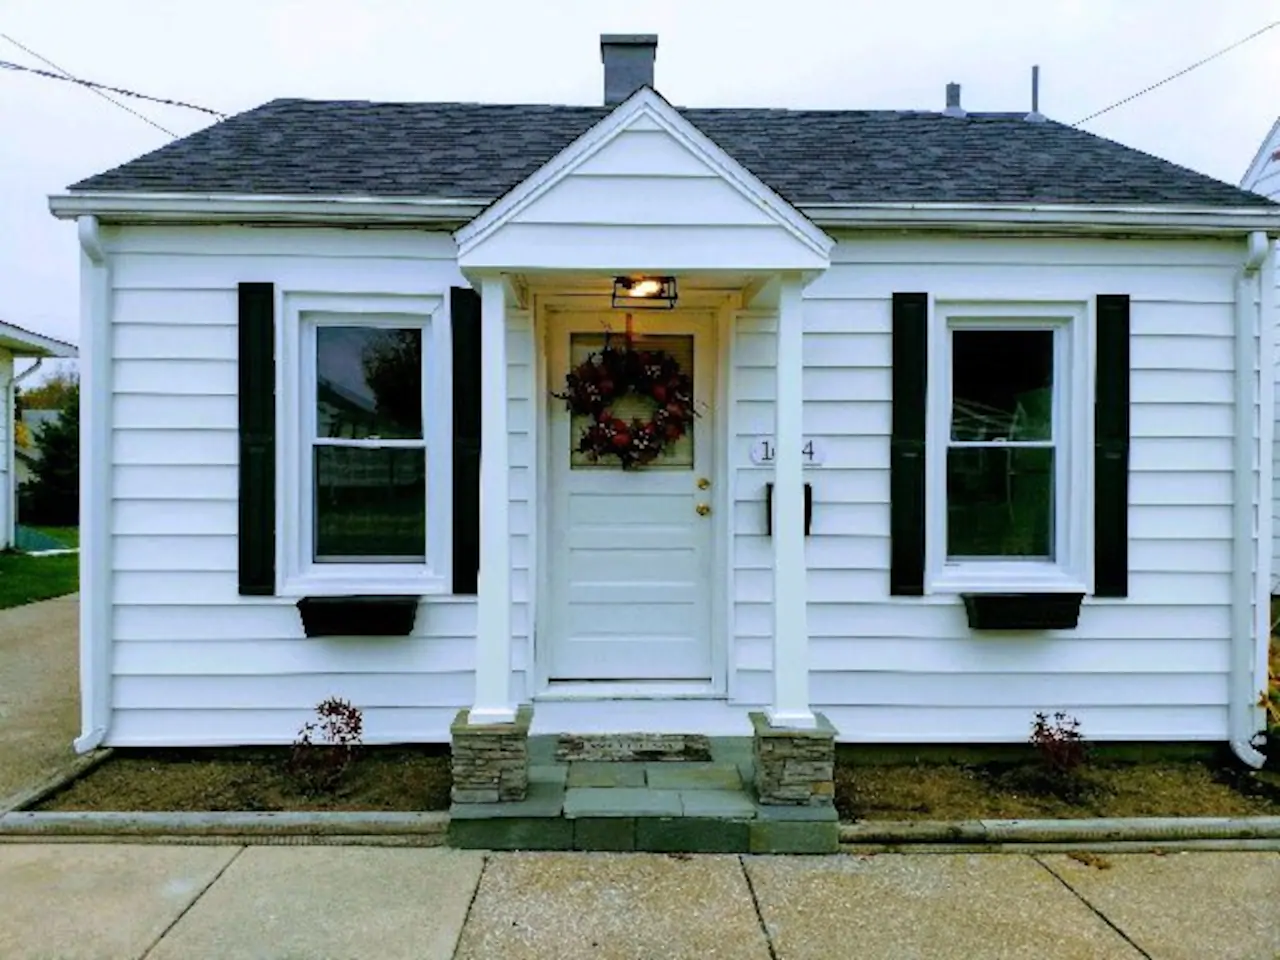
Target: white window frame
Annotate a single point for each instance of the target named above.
(1069, 571)
(300, 573)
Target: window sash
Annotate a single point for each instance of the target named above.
(1069, 441)
(302, 573)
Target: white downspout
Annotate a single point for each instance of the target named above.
(95, 480)
(1251, 557)
(11, 491)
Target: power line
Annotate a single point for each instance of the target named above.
(99, 88)
(67, 76)
(1180, 73)
(120, 90)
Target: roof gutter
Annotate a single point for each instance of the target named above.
(261, 208)
(135, 208)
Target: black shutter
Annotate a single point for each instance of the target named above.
(257, 365)
(907, 453)
(1111, 449)
(465, 308)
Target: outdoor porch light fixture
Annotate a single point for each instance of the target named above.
(644, 293)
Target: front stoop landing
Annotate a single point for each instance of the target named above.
(665, 806)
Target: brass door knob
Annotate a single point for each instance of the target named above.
(703, 509)
(703, 483)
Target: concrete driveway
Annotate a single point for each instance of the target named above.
(39, 690)
(73, 901)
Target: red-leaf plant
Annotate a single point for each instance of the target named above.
(327, 747)
(1060, 745)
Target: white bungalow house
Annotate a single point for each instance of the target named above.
(1263, 177)
(649, 417)
(17, 343)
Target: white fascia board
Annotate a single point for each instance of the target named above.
(1260, 159)
(124, 207)
(25, 343)
(1082, 218)
(644, 103)
(393, 211)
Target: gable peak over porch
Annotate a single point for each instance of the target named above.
(642, 189)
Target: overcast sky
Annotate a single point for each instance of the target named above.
(234, 54)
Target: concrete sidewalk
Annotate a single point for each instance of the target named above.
(72, 901)
(39, 690)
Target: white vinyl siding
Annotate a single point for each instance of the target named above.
(1151, 666)
(193, 662)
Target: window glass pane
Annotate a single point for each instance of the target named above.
(1000, 502)
(370, 503)
(636, 409)
(368, 383)
(1002, 384)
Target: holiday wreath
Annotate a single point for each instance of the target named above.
(592, 387)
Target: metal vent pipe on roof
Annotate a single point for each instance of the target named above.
(1035, 116)
(953, 101)
(628, 64)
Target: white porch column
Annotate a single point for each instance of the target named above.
(493, 702)
(790, 707)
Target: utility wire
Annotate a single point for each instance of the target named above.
(1183, 72)
(66, 76)
(99, 88)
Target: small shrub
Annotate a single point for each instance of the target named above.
(327, 747)
(1059, 744)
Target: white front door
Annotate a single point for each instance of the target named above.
(630, 550)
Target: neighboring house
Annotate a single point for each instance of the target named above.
(28, 455)
(1012, 361)
(1263, 176)
(15, 342)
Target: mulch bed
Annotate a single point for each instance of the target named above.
(383, 778)
(1018, 789)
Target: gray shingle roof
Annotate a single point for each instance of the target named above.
(479, 151)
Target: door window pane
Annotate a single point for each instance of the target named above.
(1002, 384)
(1000, 502)
(368, 383)
(370, 503)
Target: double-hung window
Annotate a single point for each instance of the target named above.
(1008, 434)
(367, 477)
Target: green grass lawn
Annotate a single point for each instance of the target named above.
(70, 536)
(25, 579)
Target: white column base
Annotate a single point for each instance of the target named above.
(483, 716)
(791, 719)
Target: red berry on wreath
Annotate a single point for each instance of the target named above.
(659, 393)
(606, 387)
(675, 411)
(674, 431)
(622, 440)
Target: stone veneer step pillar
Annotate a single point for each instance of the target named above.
(490, 761)
(794, 766)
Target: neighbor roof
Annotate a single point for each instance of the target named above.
(27, 343)
(469, 151)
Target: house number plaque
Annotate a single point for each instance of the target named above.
(764, 452)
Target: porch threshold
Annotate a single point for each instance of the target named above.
(630, 690)
(662, 806)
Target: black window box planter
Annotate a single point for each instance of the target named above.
(364, 616)
(1022, 611)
